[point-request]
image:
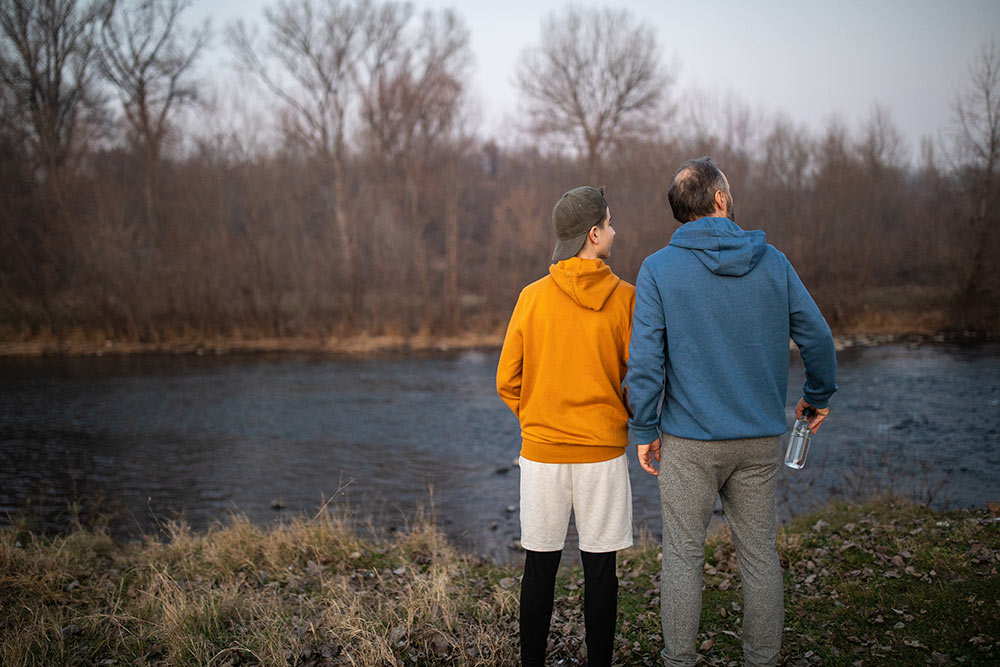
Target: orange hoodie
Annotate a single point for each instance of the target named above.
(563, 363)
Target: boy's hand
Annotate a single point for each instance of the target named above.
(646, 455)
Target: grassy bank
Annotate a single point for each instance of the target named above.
(883, 583)
(83, 345)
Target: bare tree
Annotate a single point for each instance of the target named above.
(148, 57)
(976, 150)
(46, 62)
(309, 61)
(878, 198)
(881, 145)
(46, 72)
(595, 78)
(412, 94)
(412, 99)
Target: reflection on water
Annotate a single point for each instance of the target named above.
(146, 439)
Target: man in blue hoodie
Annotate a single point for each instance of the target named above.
(713, 316)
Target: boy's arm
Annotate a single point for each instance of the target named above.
(511, 363)
(624, 354)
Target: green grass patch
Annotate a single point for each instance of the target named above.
(883, 583)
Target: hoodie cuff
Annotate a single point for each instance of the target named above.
(642, 436)
(818, 401)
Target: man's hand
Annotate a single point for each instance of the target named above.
(646, 455)
(820, 415)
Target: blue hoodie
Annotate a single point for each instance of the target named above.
(713, 314)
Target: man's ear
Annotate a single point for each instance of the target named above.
(594, 234)
(721, 198)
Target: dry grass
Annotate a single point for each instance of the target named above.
(91, 343)
(886, 583)
(305, 592)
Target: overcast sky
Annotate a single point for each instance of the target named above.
(807, 59)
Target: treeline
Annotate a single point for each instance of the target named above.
(131, 209)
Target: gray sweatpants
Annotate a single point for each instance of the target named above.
(744, 474)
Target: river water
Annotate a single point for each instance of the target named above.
(136, 441)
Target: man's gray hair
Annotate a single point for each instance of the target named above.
(692, 191)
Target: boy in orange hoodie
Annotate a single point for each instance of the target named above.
(561, 372)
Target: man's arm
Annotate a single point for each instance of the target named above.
(812, 335)
(647, 354)
(511, 362)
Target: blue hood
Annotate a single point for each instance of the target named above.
(722, 246)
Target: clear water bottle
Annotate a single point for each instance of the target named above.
(798, 441)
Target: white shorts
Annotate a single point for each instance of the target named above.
(599, 494)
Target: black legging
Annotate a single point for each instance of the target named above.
(600, 604)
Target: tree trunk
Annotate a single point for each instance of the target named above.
(354, 303)
(420, 256)
(451, 251)
(972, 280)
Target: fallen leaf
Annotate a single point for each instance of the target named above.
(707, 645)
(439, 643)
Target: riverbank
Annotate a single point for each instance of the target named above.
(369, 345)
(883, 583)
(359, 345)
